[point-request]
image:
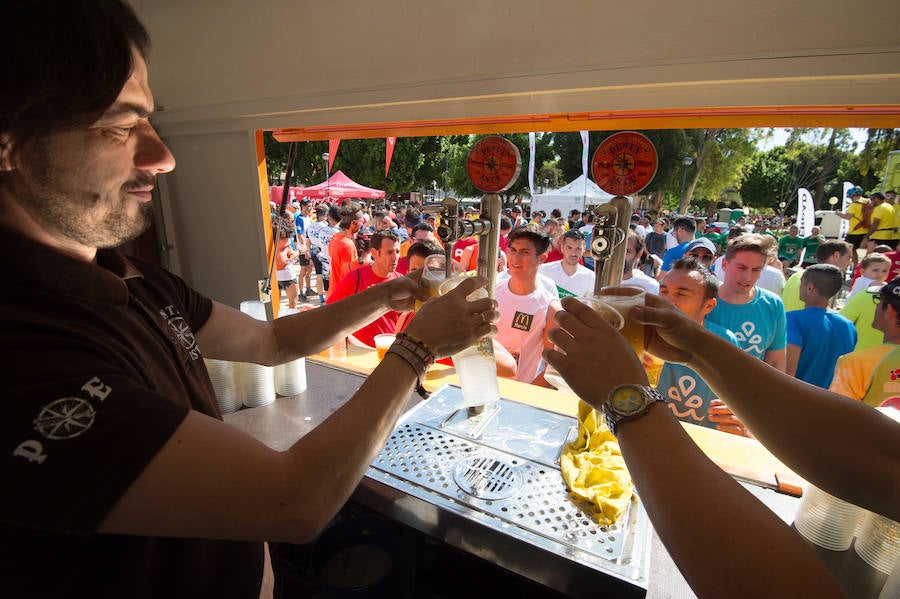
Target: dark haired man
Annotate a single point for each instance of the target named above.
(122, 479)
(835, 252)
(386, 253)
(342, 250)
(683, 229)
(816, 336)
(526, 305)
(571, 278)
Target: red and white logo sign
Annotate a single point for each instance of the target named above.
(624, 163)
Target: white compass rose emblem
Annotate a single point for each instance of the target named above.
(182, 331)
(65, 418)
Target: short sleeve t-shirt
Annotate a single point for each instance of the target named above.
(342, 253)
(358, 280)
(884, 213)
(685, 391)
(790, 295)
(871, 375)
(789, 247)
(521, 326)
(759, 325)
(580, 283)
(860, 310)
(102, 366)
(673, 255)
(822, 336)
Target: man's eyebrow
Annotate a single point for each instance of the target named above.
(120, 109)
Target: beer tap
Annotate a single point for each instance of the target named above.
(608, 242)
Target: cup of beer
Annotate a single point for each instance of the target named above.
(613, 304)
(383, 343)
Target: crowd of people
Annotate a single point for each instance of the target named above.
(124, 481)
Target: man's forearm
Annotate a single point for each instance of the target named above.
(835, 442)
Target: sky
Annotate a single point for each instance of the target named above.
(781, 135)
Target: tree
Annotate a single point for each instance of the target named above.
(879, 144)
(720, 158)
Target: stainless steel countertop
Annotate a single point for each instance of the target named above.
(282, 422)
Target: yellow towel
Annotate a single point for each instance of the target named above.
(594, 469)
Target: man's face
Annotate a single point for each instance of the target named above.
(630, 254)
(793, 231)
(356, 225)
(702, 255)
(572, 250)
(90, 186)
(684, 288)
(742, 271)
(890, 196)
(884, 315)
(523, 260)
(387, 256)
(842, 261)
(384, 224)
(415, 262)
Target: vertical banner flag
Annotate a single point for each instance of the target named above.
(531, 162)
(845, 204)
(584, 161)
(389, 153)
(806, 212)
(332, 152)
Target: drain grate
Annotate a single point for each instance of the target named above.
(521, 492)
(487, 477)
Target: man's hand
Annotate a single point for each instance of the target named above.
(669, 333)
(583, 337)
(725, 419)
(403, 293)
(451, 323)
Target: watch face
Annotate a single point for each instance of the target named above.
(627, 400)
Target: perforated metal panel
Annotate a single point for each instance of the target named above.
(523, 493)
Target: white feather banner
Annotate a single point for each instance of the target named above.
(806, 212)
(845, 204)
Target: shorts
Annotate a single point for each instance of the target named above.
(317, 264)
(854, 240)
(302, 260)
(286, 284)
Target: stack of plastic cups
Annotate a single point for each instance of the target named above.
(256, 382)
(290, 378)
(825, 520)
(878, 543)
(222, 375)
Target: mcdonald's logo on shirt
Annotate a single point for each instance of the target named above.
(522, 321)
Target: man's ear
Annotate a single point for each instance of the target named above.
(6, 145)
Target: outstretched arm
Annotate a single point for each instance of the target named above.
(724, 541)
(841, 445)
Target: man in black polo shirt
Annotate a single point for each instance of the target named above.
(120, 478)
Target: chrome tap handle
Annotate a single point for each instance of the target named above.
(608, 242)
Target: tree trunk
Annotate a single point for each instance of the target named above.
(703, 145)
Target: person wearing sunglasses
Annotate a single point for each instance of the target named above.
(703, 250)
(872, 375)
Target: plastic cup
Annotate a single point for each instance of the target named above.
(613, 304)
(878, 543)
(383, 342)
(825, 520)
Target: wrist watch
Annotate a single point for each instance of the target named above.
(628, 402)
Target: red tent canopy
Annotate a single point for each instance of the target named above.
(340, 185)
(337, 186)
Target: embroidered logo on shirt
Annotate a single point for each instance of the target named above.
(522, 321)
(182, 330)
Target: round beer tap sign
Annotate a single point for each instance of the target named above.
(494, 164)
(624, 163)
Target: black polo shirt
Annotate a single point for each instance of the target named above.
(101, 367)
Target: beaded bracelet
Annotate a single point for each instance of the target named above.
(417, 355)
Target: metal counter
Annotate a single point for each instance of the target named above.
(412, 484)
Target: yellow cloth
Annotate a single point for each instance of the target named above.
(594, 469)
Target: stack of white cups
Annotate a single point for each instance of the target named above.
(825, 520)
(290, 378)
(256, 382)
(878, 542)
(222, 375)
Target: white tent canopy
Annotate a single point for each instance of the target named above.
(577, 194)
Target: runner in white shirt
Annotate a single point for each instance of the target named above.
(570, 277)
(633, 277)
(526, 307)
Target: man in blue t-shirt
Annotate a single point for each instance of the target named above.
(692, 288)
(816, 336)
(755, 315)
(683, 229)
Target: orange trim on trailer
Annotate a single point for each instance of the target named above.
(267, 218)
(870, 116)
